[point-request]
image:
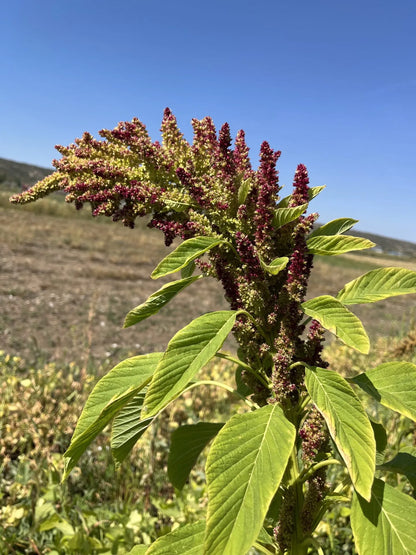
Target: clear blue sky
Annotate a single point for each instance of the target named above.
(330, 83)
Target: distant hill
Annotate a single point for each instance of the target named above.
(15, 176)
(387, 246)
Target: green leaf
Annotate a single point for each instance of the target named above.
(111, 393)
(139, 550)
(244, 190)
(386, 524)
(403, 463)
(347, 422)
(157, 300)
(377, 285)
(186, 540)
(339, 320)
(128, 427)
(331, 245)
(187, 352)
(283, 216)
(244, 468)
(312, 193)
(392, 384)
(335, 227)
(184, 254)
(380, 435)
(187, 443)
(275, 266)
(188, 270)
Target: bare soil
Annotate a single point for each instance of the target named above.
(67, 281)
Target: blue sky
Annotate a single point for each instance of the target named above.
(332, 84)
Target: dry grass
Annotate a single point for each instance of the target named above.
(68, 280)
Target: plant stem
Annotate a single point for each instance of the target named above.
(226, 356)
(298, 546)
(303, 476)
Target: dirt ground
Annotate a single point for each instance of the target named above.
(66, 284)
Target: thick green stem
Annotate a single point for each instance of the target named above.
(298, 546)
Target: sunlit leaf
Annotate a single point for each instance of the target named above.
(335, 227)
(187, 352)
(377, 285)
(386, 524)
(243, 190)
(276, 265)
(312, 193)
(187, 443)
(283, 216)
(337, 319)
(347, 422)
(331, 245)
(244, 468)
(183, 254)
(108, 397)
(185, 540)
(393, 384)
(157, 300)
(128, 427)
(139, 550)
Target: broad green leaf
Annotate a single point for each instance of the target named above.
(139, 550)
(377, 285)
(283, 216)
(109, 396)
(335, 227)
(312, 193)
(284, 203)
(331, 245)
(275, 266)
(403, 463)
(188, 270)
(128, 427)
(265, 543)
(186, 540)
(184, 254)
(347, 422)
(392, 384)
(157, 300)
(339, 320)
(265, 549)
(380, 435)
(386, 524)
(244, 468)
(187, 443)
(244, 190)
(187, 352)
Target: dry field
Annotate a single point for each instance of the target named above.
(68, 280)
